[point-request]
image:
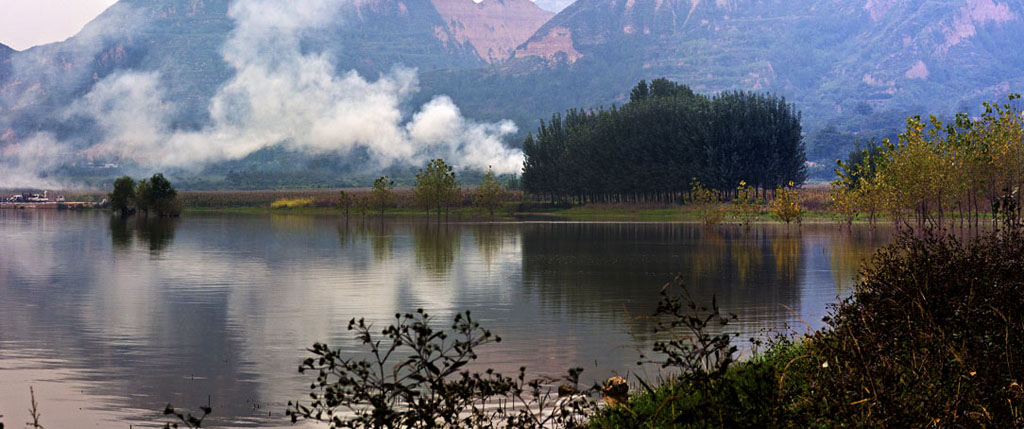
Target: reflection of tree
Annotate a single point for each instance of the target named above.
(155, 232)
(853, 247)
(786, 249)
(120, 233)
(378, 233)
(489, 239)
(617, 269)
(158, 232)
(381, 240)
(435, 246)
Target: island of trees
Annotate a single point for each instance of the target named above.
(154, 195)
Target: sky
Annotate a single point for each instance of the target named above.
(27, 23)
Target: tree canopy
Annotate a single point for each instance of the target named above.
(436, 186)
(653, 147)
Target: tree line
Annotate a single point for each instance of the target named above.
(436, 189)
(938, 172)
(663, 140)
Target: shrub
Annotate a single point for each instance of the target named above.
(429, 385)
(931, 336)
(786, 205)
(291, 203)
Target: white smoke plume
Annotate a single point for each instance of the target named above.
(23, 162)
(280, 95)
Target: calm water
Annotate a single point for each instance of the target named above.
(110, 320)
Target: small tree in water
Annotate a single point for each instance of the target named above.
(436, 186)
(786, 206)
(490, 193)
(158, 195)
(383, 196)
(122, 199)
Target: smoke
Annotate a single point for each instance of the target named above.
(282, 96)
(24, 163)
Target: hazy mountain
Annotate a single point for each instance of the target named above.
(832, 57)
(183, 40)
(858, 65)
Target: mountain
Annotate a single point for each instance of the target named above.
(183, 40)
(5, 61)
(832, 57)
(493, 27)
(855, 68)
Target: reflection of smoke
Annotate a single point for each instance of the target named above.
(281, 95)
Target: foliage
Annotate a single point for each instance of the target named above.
(429, 385)
(708, 202)
(186, 418)
(291, 203)
(490, 193)
(383, 195)
(651, 148)
(937, 171)
(345, 201)
(122, 198)
(436, 186)
(931, 335)
(707, 387)
(786, 205)
(157, 195)
(746, 204)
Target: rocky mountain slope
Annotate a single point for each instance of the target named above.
(493, 27)
(831, 56)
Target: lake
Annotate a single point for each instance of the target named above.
(109, 320)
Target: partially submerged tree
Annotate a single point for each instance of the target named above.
(122, 199)
(490, 193)
(383, 195)
(157, 195)
(345, 201)
(436, 186)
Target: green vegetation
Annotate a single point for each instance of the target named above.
(383, 195)
(148, 195)
(122, 199)
(490, 194)
(786, 205)
(417, 377)
(938, 172)
(436, 187)
(652, 148)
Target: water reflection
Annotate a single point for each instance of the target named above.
(436, 246)
(232, 302)
(155, 232)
